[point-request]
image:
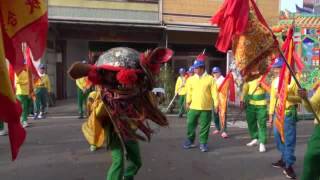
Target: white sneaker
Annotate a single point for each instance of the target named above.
(262, 148)
(93, 148)
(3, 132)
(253, 143)
(41, 115)
(25, 124)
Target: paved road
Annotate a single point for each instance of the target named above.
(56, 150)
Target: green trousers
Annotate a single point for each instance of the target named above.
(116, 171)
(25, 103)
(41, 99)
(82, 100)
(311, 167)
(204, 119)
(216, 121)
(257, 122)
(182, 103)
(1, 126)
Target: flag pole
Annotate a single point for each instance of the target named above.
(298, 84)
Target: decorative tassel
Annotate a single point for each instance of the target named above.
(93, 75)
(127, 76)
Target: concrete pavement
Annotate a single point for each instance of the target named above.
(56, 149)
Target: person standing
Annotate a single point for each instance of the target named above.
(23, 92)
(254, 101)
(202, 93)
(83, 90)
(218, 77)
(125, 103)
(311, 166)
(180, 90)
(42, 87)
(286, 148)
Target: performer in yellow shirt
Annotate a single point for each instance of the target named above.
(23, 95)
(311, 167)
(42, 88)
(180, 89)
(92, 129)
(202, 93)
(254, 98)
(287, 149)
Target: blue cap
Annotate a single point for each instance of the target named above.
(216, 70)
(278, 62)
(198, 64)
(42, 66)
(191, 69)
(182, 70)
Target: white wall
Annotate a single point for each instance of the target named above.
(77, 50)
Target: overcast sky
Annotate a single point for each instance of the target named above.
(290, 4)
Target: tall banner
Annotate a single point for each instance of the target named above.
(10, 109)
(284, 81)
(226, 91)
(23, 21)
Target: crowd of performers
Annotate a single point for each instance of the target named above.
(33, 95)
(117, 108)
(115, 95)
(199, 97)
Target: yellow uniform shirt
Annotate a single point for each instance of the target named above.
(315, 103)
(292, 95)
(202, 92)
(22, 83)
(255, 92)
(180, 88)
(82, 83)
(43, 82)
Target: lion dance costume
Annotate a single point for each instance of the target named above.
(124, 102)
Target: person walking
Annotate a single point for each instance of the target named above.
(219, 78)
(202, 94)
(254, 101)
(180, 90)
(23, 92)
(42, 87)
(286, 148)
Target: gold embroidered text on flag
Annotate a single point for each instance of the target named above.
(23, 21)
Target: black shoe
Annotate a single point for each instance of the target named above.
(80, 117)
(289, 173)
(180, 115)
(279, 164)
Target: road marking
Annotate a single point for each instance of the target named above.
(237, 124)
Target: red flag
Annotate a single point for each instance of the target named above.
(30, 65)
(298, 61)
(226, 90)
(232, 18)
(23, 21)
(10, 109)
(227, 87)
(284, 81)
(20, 21)
(241, 23)
(11, 76)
